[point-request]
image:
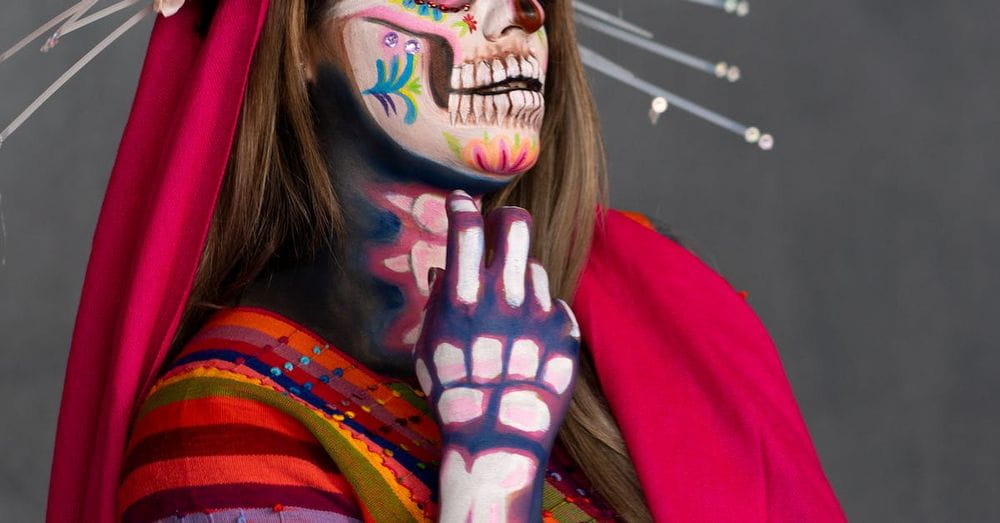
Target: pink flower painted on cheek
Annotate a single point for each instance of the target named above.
(497, 155)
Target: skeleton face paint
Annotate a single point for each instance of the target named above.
(458, 83)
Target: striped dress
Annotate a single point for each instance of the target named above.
(260, 420)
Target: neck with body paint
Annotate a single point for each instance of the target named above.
(366, 293)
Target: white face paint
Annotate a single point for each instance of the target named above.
(461, 87)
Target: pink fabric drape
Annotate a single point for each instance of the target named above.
(147, 244)
(696, 386)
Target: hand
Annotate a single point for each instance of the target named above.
(497, 358)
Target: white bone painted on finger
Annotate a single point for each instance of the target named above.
(423, 256)
(540, 281)
(558, 373)
(574, 328)
(412, 336)
(525, 411)
(460, 404)
(487, 358)
(481, 491)
(514, 265)
(523, 359)
(463, 205)
(470, 258)
(423, 376)
(450, 363)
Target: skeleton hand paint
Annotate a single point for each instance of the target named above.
(460, 83)
(497, 359)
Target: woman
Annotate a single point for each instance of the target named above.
(295, 391)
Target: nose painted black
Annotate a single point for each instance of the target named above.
(529, 15)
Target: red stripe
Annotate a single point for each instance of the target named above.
(187, 472)
(216, 410)
(424, 427)
(223, 440)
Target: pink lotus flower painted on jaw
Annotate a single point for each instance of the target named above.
(167, 8)
(500, 154)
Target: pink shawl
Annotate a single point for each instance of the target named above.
(692, 376)
(696, 386)
(149, 238)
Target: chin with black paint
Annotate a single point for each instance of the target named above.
(461, 85)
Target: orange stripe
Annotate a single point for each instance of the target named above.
(302, 341)
(640, 218)
(299, 339)
(217, 410)
(216, 470)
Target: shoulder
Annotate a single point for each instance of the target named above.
(213, 434)
(695, 381)
(636, 250)
(640, 279)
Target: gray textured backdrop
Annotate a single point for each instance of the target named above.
(866, 238)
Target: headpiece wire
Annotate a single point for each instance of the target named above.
(72, 19)
(620, 29)
(587, 15)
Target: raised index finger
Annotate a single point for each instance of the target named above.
(510, 232)
(464, 264)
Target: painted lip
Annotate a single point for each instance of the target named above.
(504, 87)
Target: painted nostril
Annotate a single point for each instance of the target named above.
(529, 15)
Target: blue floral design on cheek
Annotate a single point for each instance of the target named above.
(395, 83)
(423, 10)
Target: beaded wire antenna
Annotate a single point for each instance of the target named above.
(76, 17)
(618, 28)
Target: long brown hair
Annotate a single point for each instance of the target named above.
(277, 197)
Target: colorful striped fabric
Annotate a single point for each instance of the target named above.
(260, 420)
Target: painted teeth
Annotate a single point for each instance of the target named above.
(517, 108)
(484, 76)
(468, 76)
(521, 109)
(513, 67)
(503, 105)
(499, 71)
(494, 70)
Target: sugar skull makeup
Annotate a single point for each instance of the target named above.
(459, 83)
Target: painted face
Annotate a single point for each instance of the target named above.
(459, 83)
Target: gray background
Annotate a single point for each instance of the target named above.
(866, 238)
